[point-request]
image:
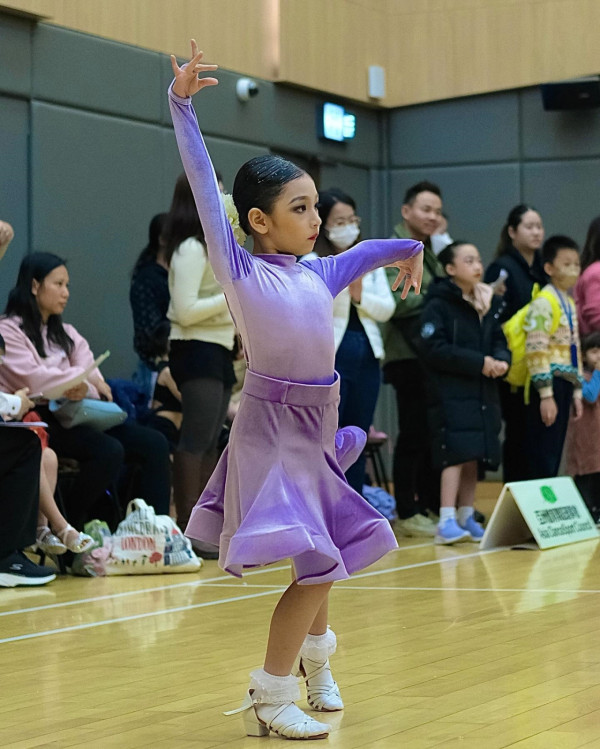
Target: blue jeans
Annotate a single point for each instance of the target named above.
(360, 379)
(145, 379)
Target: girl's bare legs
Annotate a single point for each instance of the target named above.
(468, 484)
(49, 513)
(466, 500)
(295, 614)
(451, 478)
(448, 530)
(319, 625)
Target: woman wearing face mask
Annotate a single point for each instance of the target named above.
(356, 312)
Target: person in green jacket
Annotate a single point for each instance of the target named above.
(414, 475)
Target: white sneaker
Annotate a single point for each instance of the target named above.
(418, 526)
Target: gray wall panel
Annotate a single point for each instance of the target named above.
(93, 208)
(14, 189)
(566, 192)
(15, 48)
(461, 130)
(93, 73)
(477, 198)
(551, 135)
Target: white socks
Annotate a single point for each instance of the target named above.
(447, 513)
(463, 515)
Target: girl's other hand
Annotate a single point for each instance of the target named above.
(548, 411)
(488, 366)
(500, 368)
(411, 272)
(577, 409)
(187, 82)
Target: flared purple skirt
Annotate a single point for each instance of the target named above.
(279, 489)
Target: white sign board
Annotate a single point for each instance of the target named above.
(543, 513)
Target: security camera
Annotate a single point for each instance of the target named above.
(246, 89)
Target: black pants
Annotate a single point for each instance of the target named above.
(514, 452)
(414, 473)
(544, 445)
(20, 458)
(101, 456)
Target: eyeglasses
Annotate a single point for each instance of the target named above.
(354, 221)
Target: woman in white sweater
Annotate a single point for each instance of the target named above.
(201, 343)
(357, 310)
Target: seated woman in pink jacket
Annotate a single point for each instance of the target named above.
(587, 289)
(43, 352)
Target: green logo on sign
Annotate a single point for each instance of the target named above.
(548, 494)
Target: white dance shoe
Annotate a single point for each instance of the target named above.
(322, 692)
(269, 706)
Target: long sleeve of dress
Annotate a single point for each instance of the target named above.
(338, 271)
(228, 260)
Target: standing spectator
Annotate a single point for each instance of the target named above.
(553, 361)
(583, 435)
(356, 311)
(149, 299)
(413, 472)
(201, 340)
(587, 289)
(518, 254)
(465, 350)
(41, 353)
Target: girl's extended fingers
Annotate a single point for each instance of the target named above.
(194, 47)
(398, 280)
(202, 68)
(406, 288)
(202, 82)
(174, 65)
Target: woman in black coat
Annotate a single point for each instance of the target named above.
(464, 350)
(519, 255)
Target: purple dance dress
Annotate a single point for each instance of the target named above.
(279, 489)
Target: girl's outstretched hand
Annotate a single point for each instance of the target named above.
(411, 272)
(187, 82)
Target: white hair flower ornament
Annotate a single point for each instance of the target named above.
(233, 218)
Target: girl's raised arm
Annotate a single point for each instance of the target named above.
(229, 261)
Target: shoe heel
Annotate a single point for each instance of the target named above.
(252, 725)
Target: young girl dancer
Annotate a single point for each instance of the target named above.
(279, 489)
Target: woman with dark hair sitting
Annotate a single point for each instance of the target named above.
(43, 353)
(149, 299)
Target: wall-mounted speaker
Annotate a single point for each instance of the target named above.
(581, 93)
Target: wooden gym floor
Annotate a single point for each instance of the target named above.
(438, 647)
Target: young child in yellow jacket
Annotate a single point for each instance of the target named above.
(553, 361)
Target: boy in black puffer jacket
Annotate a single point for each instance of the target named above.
(464, 350)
